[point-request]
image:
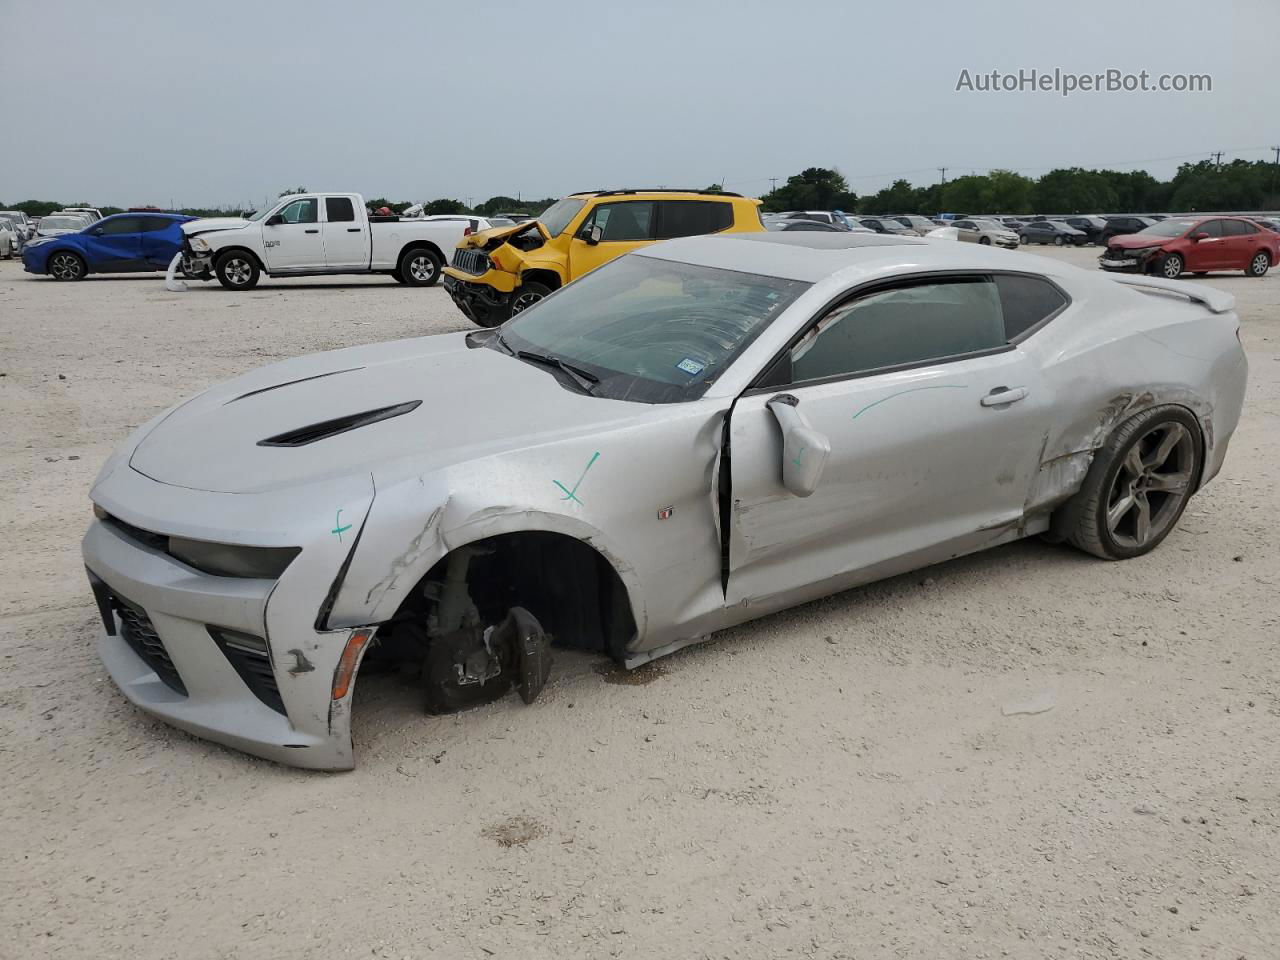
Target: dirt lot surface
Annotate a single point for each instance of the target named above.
(841, 780)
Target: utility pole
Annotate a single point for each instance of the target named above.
(1217, 165)
(773, 183)
(943, 171)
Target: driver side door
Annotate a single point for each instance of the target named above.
(1208, 253)
(114, 245)
(624, 226)
(291, 238)
(933, 420)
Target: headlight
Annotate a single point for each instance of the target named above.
(1145, 251)
(199, 244)
(227, 560)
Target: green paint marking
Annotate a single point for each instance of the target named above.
(796, 461)
(942, 386)
(573, 494)
(338, 527)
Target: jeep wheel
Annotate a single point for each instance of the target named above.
(526, 295)
(419, 267)
(237, 271)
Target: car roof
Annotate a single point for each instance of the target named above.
(813, 256)
(665, 192)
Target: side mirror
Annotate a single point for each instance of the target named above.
(1198, 236)
(594, 235)
(274, 220)
(804, 450)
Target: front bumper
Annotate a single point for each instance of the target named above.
(1121, 263)
(481, 303)
(197, 266)
(171, 659)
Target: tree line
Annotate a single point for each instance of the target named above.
(1238, 185)
(1203, 186)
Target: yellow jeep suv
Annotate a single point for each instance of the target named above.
(497, 273)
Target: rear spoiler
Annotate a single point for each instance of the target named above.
(1216, 300)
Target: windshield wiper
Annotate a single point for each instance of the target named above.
(583, 378)
(502, 342)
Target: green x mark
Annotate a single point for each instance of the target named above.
(573, 494)
(338, 527)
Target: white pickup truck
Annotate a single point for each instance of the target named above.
(316, 234)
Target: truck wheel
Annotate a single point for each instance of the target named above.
(527, 295)
(237, 271)
(419, 267)
(397, 276)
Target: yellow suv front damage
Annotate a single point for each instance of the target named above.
(497, 272)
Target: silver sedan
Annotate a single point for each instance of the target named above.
(692, 436)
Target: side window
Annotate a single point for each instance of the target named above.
(300, 211)
(1025, 301)
(339, 209)
(1212, 227)
(630, 220)
(964, 225)
(119, 225)
(1237, 228)
(927, 321)
(155, 224)
(692, 218)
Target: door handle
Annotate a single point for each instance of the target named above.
(1003, 396)
(313, 231)
(353, 229)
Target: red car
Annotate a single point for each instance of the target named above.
(1198, 244)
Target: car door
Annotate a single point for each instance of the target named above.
(1240, 242)
(114, 245)
(967, 230)
(1209, 252)
(934, 423)
(291, 237)
(346, 240)
(624, 226)
(161, 239)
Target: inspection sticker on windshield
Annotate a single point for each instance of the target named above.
(690, 366)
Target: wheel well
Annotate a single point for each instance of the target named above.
(548, 278)
(571, 588)
(420, 245)
(245, 250)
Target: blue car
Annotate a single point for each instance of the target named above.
(121, 243)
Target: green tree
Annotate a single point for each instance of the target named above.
(898, 197)
(815, 188)
(1008, 192)
(442, 206)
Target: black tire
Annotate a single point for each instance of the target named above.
(1058, 240)
(1022, 239)
(1171, 266)
(1259, 265)
(419, 267)
(237, 270)
(984, 241)
(1157, 485)
(65, 265)
(527, 294)
(397, 276)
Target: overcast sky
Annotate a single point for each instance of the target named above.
(225, 101)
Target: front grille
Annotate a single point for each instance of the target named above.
(252, 660)
(140, 634)
(472, 261)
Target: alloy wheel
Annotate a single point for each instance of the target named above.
(1173, 267)
(1259, 265)
(65, 266)
(238, 271)
(524, 302)
(422, 268)
(1153, 480)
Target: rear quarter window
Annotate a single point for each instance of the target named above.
(692, 218)
(1026, 302)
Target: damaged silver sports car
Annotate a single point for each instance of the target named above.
(689, 437)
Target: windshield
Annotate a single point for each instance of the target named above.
(61, 223)
(1170, 228)
(652, 330)
(258, 214)
(557, 216)
(989, 225)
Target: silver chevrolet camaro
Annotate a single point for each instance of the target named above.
(694, 435)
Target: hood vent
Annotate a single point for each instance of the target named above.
(330, 428)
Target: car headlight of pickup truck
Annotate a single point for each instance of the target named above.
(199, 244)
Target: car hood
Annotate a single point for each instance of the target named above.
(1136, 241)
(473, 403)
(209, 224)
(483, 238)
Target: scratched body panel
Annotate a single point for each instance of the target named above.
(921, 467)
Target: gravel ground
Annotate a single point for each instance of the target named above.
(840, 780)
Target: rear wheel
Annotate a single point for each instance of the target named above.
(66, 266)
(1137, 487)
(237, 271)
(1259, 265)
(419, 267)
(1171, 266)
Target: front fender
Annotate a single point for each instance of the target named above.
(416, 522)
